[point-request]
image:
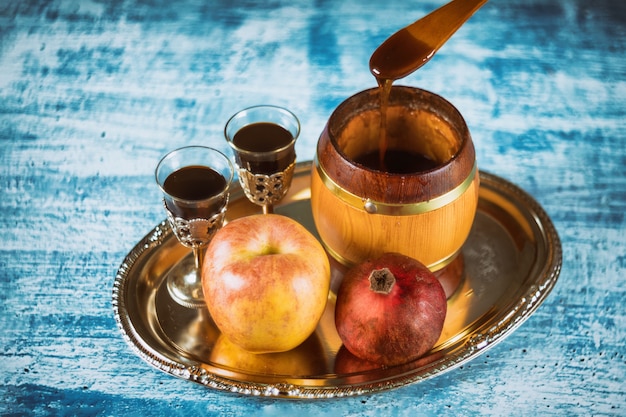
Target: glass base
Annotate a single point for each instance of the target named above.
(185, 285)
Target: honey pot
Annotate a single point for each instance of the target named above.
(419, 198)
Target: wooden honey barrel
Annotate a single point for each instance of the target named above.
(361, 212)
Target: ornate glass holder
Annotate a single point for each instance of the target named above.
(195, 181)
(184, 282)
(266, 190)
(265, 154)
(195, 232)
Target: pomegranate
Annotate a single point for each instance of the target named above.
(390, 310)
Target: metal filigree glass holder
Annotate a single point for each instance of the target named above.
(195, 181)
(266, 157)
(266, 190)
(184, 282)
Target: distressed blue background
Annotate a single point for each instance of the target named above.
(92, 94)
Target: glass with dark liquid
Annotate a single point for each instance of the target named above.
(195, 182)
(195, 191)
(263, 139)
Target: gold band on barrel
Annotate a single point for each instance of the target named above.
(407, 209)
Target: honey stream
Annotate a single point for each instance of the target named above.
(410, 48)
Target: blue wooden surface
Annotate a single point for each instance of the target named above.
(93, 93)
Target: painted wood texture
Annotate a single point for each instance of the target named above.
(93, 93)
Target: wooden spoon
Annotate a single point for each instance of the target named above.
(413, 46)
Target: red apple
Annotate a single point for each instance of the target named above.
(390, 310)
(266, 280)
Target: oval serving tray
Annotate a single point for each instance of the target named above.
(512, 261)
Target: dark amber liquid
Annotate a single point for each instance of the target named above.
(397, 162)
(391, 62)
(264, 137)
(195, 185)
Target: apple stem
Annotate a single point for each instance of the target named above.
(382, 281)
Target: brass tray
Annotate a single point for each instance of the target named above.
(512, 261)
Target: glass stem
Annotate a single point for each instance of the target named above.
(198, 255)
(268, 209)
